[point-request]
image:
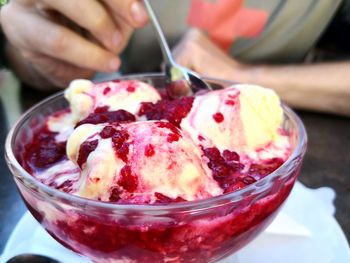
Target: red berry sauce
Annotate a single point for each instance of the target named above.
(85, 149)
(44, 151)
(228, 170)
(101, 109)
(128, 180)
(149, 150)
(109, 117)
(171, 110)
(108, 132)
(175, 135)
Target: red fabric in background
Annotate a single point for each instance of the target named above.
(226, 20)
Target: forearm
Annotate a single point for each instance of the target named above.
(321, 87)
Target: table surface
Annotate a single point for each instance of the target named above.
(327, 163)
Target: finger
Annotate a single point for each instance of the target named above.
(206, 62)
(182, 58)
(183, 55)
(126, 31)
(195, 50)
(92, 16)
(132, 11)
(45, 37)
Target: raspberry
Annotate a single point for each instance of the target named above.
(218, 117)
(85, 149)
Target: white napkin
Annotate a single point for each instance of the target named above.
(290, 224)
(304, 231)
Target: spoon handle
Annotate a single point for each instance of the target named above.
(167, 56)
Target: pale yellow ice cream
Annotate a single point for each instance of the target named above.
(242, 117)
(159, 159)
(84, 97)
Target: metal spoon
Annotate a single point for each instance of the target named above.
(31, 258)
(182, 80)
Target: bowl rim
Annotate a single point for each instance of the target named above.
(33, 184)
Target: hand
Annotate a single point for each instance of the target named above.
(53, 42)
(198, 53)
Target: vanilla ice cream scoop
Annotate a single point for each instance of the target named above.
(140, 162)
(243, 118)
(85, 97)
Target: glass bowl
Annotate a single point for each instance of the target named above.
(196, 231)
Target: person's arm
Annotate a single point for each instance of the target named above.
(320, 87)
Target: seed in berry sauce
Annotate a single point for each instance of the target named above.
(218, 117)
(85, 149)
(149, 150)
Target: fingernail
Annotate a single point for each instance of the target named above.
(114, 64)
(117, 39)
(138, 13)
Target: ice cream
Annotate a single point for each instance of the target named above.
(126, 144)
(140, 162)
(230, 118)
(85, 97)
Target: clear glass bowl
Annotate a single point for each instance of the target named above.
(197, 231)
